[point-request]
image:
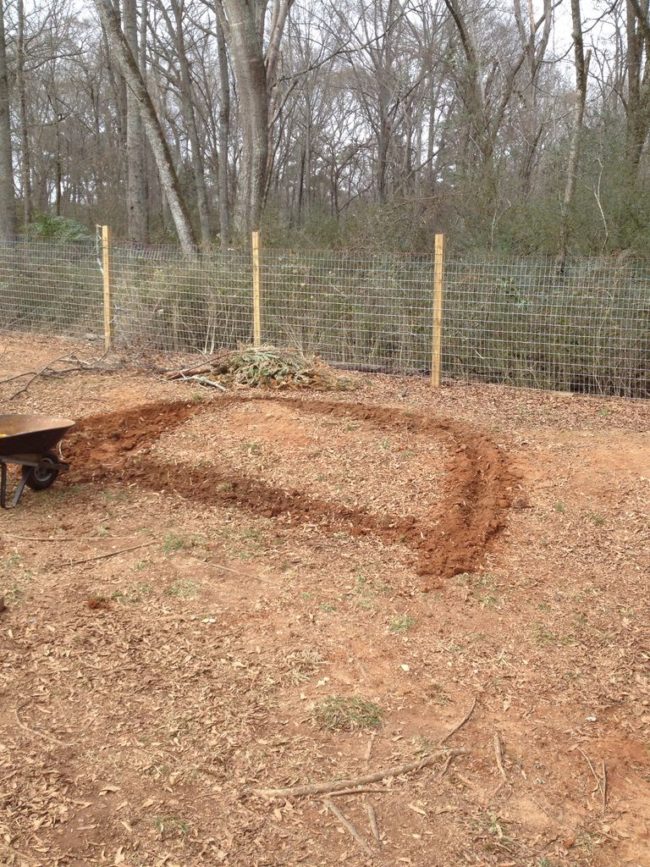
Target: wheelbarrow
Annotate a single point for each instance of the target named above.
(28, 441)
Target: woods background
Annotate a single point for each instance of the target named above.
(511, 126)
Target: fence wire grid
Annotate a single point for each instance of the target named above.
(517, 321)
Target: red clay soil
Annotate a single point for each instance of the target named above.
(478, 489)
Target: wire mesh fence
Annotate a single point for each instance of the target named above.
(166, 301)
(524, 322)
(366, 311)
(519, 321)
(50, 288)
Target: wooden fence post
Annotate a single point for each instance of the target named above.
(257, 289)
(107, 280)
(438, 287)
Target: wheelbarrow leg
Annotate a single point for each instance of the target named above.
(19, 489)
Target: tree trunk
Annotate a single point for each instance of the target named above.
(581, 68)
(58, 170)
(7, 195)
(136, 185)
(25, 160)
(224, 137)
(166, 171)
(250, 71)
(189, 116)
(638, 84)
(383, 143)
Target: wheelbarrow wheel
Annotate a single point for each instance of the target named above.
(41, 477)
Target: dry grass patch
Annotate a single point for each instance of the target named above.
(347, 713)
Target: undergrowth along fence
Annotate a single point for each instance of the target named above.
(515, 320)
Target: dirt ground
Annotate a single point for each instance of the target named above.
(216, 571)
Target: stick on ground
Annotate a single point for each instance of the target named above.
(445, 767)
(203, 380)
(49, 370)
(14, 853)
(460, 724)
(601, 782)
(372, 819)
(498, 752)
(32, 731)
(349, 827)
(33, 374)
(103, 556)
(354, 782)
(369, 750)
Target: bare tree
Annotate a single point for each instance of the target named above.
(224, 136)
(638, 78)
(255, 69)
(581, 70)
(535, 55)
(188, 102)
(7, 195)
(240, 22)
(383, 119)
(136, 192)
(25, 157)
(160, 149)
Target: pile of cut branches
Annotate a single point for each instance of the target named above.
(262, 367)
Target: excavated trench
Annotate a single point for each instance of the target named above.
(477, 492)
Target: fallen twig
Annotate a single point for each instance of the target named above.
(15, 853)
(48, 370)
(188, 372)
(11, 538)
(349, 827)
(362, 791)
(34, 375)
(203, 380)
(32, 731)
(445, 767)
(351, 783)
(239, 572)
(17, 376)
(104, 556)
(372, 820)
(591, 767)
(601, 783)
(460, 724)
(498, 752)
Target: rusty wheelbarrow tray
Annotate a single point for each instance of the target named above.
(28, 441)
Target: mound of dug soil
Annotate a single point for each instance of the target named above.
(477, 491)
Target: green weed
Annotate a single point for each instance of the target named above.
(172, 542)
(347, 713)
(402, 623)
(183, 588)
(171, 826)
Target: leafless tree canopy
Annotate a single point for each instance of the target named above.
(510, 125)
